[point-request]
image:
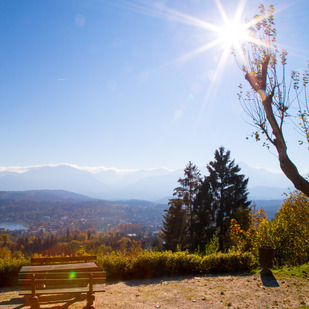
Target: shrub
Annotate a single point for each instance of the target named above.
(213, 245)
(183, 263)
(228, 262)
(147, 265)
(290, 230)
(9, 270)
(287, 233)
(150, 264)
(257, 234)
(115, 264)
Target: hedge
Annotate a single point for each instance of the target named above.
(150, 264)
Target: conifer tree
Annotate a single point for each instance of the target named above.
(223, 196)
(181, 208)
(173, 225)
(187, 191)
(204, 223)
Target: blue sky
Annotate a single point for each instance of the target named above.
(92, 82)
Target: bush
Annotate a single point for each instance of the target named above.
(115, 264)
(9, 270)
(290, 230)
(150, 264)
(228, 263)
(147, 265)
(287, 233)
(183, 263)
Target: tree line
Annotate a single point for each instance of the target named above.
(74, 242)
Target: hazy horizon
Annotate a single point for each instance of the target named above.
(101, 168)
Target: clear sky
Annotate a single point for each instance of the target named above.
(111, 83)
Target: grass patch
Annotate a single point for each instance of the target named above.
(301, 271)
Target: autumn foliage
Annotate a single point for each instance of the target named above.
(287, 233)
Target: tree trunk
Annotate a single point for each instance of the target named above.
(287, 166)
(290, 170)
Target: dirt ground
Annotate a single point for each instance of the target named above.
(239, 291)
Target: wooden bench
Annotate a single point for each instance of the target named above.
(64, 275)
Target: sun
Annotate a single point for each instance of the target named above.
(230, 35)
(227, 36)
(233, 34)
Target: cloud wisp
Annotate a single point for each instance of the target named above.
(90, 169)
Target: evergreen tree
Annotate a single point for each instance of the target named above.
(187, 191)
(223, 196)
(179, 219)
(204, 214)
(173, 225)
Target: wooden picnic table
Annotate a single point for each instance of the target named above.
(64, 277)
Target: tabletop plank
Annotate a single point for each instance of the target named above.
(91, 266)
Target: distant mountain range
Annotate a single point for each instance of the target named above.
(69, 198)
(153, 185)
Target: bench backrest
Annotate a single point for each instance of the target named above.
(64, 259)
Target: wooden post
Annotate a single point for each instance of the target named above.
(35, 304)
(90, 296)
(266, 255)
(33, 285)
(91, 283)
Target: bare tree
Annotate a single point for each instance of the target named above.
(272, 100)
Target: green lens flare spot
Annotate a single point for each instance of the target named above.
(72, 275)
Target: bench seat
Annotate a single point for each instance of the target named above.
(62, 290)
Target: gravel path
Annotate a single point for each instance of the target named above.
(244, 291)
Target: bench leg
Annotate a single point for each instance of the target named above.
(90, 300)
(27, 300)
(35, 304)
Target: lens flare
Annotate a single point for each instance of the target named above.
(72, 275)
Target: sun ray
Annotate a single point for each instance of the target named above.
(222, 11)
(194, 53)
(184, 58)
(165, 13)
(231, 35)
(239, 10)
(214, 82)
(225, 34)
